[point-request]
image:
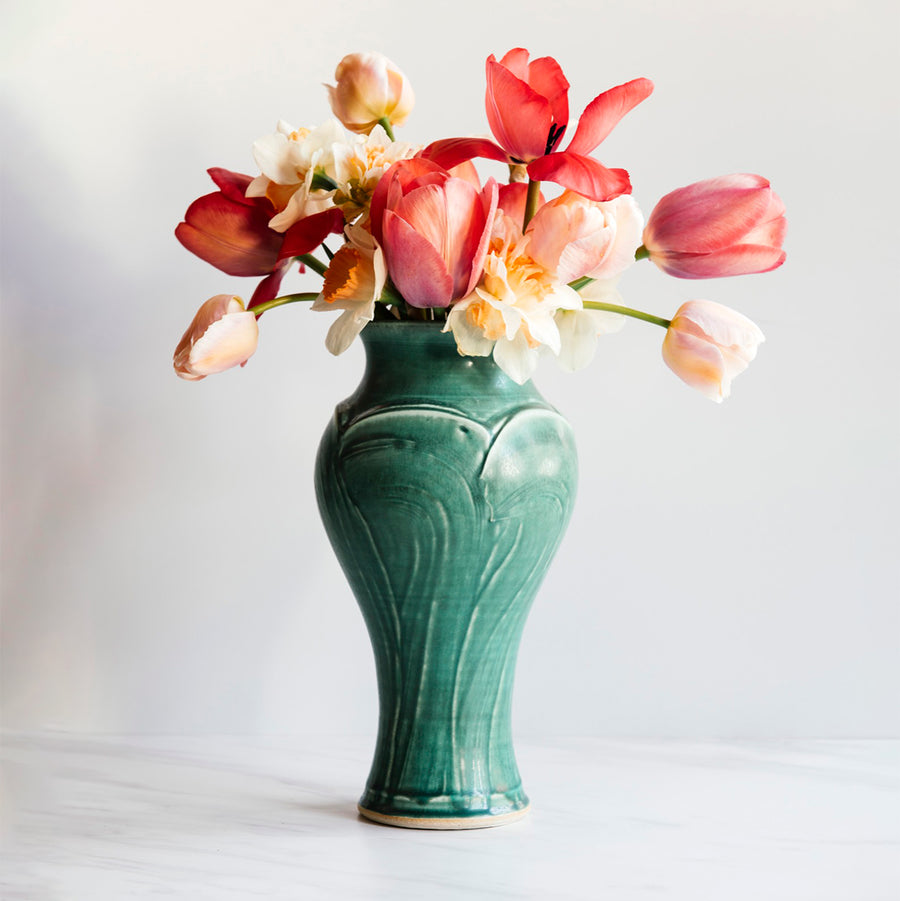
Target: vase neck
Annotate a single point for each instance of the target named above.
(417, 362)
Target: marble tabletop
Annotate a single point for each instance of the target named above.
(89, 818)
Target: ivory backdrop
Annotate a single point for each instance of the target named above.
(730, 570)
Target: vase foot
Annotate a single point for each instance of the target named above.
(485, 821)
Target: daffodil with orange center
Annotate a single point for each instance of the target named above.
(510, 314)
(353, 283)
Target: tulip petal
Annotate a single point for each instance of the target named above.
(742, 259)
(519, 117)
(512, 198)
(730, 330)
(709, 215)
(233, 237)
(450, 152)
(605, 111)
(489, 199)
(516, 60)
(307, 234)
(232, 184)
(229, 342)
(416, 268)
(697, 363)
(582, 174)
(545, 75)
(390, 188)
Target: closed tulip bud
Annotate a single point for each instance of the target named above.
(733, 225)
(369, 88)
(222, 335)
(708, 344)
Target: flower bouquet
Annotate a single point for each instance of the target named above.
(446, 481)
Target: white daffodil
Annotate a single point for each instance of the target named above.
(353, 283)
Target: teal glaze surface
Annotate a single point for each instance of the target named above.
(445, 489)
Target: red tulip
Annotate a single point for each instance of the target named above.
(229, 230)
(435, 230)
(732, 225)
(528, 111)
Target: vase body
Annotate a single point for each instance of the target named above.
(445, 489)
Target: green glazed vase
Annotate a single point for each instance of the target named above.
(445, 489)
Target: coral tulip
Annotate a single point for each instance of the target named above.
(435, 231)
(222, 335)
(708, 344)
(528, 112)
(229, 230)
(732, 225)
(369, 89)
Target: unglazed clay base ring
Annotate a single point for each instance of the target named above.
(471, 822)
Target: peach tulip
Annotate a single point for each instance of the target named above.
(573, 236)
(222, 335)
(707, 345)
(732, 225)
(528, 112)
(369, 89)
(229, 230)
(435, 230)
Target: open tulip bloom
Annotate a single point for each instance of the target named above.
(509, 272)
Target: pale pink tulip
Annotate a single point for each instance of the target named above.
(369, 88)
(573, 236)
(732, 225)
(435, 231)
(222, 335)
(708, 344)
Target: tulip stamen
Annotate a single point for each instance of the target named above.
(556, 133)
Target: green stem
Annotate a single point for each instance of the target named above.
(626, 311)
(385, 123)
(316, 265)
(281, 301)
(641, 253)
(531, 202)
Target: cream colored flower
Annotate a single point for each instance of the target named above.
(289, 160)
(359, 164)
(579, 330)
(511, 313)
(353, 283)
(369, 88)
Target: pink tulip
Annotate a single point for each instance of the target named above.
(732, 225)
(229, 230)
(435, 230)
(528, 112)
(369, 88)
(222, 335)
(707, 345)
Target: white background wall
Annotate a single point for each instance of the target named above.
(730, 570)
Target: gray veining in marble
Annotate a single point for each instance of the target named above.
(91, 817)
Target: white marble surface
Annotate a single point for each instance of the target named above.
(102, 817)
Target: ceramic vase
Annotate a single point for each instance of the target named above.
(445, 489)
